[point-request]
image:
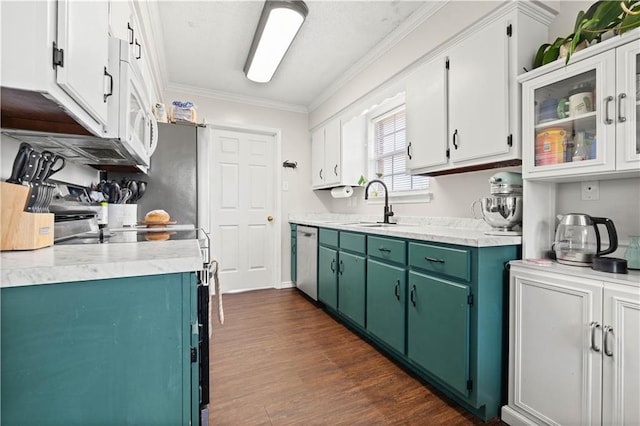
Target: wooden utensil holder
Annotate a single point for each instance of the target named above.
(20, 230)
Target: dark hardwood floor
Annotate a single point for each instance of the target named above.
(280, 360)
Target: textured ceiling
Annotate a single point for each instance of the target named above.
(205, 45)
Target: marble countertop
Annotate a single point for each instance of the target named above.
(631, 278)
(461, 231)
(65, 263)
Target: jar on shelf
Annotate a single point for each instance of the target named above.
(580, 152)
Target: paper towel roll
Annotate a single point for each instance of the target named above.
(342, 192)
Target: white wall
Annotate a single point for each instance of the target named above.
(72, 173)
(619, 201)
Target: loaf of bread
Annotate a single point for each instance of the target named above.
(157, 216)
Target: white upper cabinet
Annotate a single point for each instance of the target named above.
(83, 29)
(426, 107)
(338, 152)
(581, 120)
(479, 95)
(59, 50)
(463, 102)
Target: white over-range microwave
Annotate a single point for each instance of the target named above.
(130, 117)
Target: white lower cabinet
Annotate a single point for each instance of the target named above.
(574, 350)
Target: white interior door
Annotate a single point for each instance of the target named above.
(243, 224)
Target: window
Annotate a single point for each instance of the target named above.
(388, 157)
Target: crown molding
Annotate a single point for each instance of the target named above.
(237, 98)
(407, 27)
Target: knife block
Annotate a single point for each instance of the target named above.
(20, 230)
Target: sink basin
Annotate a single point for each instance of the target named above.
(377, 225)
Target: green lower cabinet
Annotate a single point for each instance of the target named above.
(438, 329)
(351, 287)
(328, 276)
(386, 296)
(114, 352)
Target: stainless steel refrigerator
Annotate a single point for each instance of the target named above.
(172, 183)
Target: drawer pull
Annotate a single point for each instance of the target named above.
(412, 296)
(607, 330)
(433, 259)
(594, 326)
(386, 250)
(396, 290)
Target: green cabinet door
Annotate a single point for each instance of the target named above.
(386, 295)
(438, 328)
(328, 277)
(351, 287)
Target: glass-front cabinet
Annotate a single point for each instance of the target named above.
(582, 119)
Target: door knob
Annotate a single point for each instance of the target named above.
(270, 218)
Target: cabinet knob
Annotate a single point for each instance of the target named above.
(270, 218)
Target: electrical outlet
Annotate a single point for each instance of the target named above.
(590, 191)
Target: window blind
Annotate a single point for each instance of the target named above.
(389, 154)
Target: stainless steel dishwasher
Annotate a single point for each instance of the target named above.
(307, 260)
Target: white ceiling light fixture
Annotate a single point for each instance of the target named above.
(279, 23)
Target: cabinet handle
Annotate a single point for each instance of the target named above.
(321, 174)
(335, 170)
(433, 259)
(130, 29)
(139, 50)
(396, 290)
(607, 101)
(412, 296)
(386, 250)
(106, 95)
(607, 330)
(455, 139)
(341, 268)
(333, 265)
(594, 326)
(409, 151)
(621, 118)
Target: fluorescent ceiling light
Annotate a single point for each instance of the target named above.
(278, 25)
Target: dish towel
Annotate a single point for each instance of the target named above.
(213, 272)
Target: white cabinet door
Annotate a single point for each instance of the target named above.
(621, 355)
(426, 106)
(479, 95)
(317, 158)
(332, 153)
(628, 117)
(556, 375)
(83, 35)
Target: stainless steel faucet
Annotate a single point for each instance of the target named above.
(388, 212)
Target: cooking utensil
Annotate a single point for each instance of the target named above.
(19, 163)
(577, 239)
(132, 185)
(142, 188)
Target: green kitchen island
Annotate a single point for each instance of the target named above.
(100, 334)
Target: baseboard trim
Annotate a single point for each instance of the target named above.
(514, 418)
